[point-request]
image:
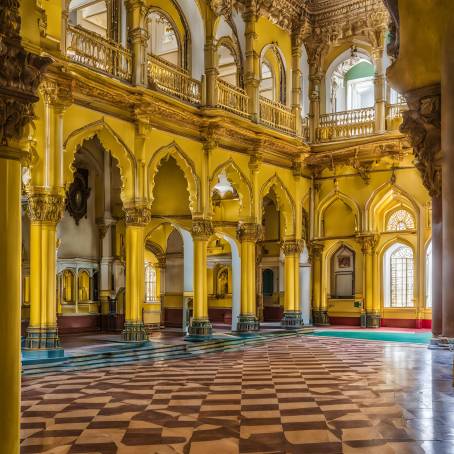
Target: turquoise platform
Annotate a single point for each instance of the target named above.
(387, 336)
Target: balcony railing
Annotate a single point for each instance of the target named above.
(91, 49)
(173, 80)
(350, 123)
(276, 115)
(231, 98)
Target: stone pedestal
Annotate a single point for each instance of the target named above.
(247, 324)
(200, 330)
(292, 320)
(320, 317)
(134, 332)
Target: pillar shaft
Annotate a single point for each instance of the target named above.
(379, 90)
(437, 257)
(10, 283)
(292, 310)
(252, 78)
(248, 234)
(319, 313)
(136, 220)
(45, 211)
(296, 84)
(447, 145)
(200, 326)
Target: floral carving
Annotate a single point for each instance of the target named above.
(44, 207)
(202, 229)
(292, 247)
(249, 231)
(137, 215)
(422, 123)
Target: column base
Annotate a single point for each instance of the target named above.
(320, 318)
(441, 343)
(292, 320)
(372, 320)
(42, 339)
(134, 332)
(247, 324)
(199, 330)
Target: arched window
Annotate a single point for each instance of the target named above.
(400, 220)
(227, 65)
(150, 283)
(343, 273)
(163, 41)
(399, 276)
(266, 88)
(429, 275)
(268, 282)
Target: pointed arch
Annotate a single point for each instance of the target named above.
(112, 142)
(285, 203)
(239, 181)
(184, 163)
(383, 200)
(329, 199)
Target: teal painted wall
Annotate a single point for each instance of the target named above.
(362, 69)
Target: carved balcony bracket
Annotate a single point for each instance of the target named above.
(422, 124)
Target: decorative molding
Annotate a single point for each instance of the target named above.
(315, 249)
(45, 207)
(422, 124)
(368, 242)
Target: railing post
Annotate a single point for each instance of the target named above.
(314, 107)
(138, 38)
(252, 65)
(379, 90)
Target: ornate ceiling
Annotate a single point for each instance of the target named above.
(294, 15)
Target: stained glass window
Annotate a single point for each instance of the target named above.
(402, 277)
(400, 220)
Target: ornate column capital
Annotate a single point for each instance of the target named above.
(202, 229)
(368, 242)
(422, 124)
(56, 94)
(292, 247)
(45, 207)
(249, 231)
(137, 215)
(315, 249)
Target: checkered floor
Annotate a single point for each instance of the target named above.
(299, 395)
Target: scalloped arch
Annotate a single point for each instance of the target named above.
(110, 141)
(239, 181)
(284, 200)
(184, 163)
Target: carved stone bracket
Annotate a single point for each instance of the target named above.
(202, 229)
(44, 207)
(249, 231)
(137, 215)
(20, 76)
(315, 250)
(422, 124)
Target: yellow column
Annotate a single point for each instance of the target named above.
(296, 80)
(248, 234)
(45, 210)
(368, 243)
(136, 220)
(292, 312)
(10, 283)
(200, 326)
(319, 313)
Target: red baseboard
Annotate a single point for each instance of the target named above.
(406, 323)
(79, 324)
(348, 321)
(273, 313)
